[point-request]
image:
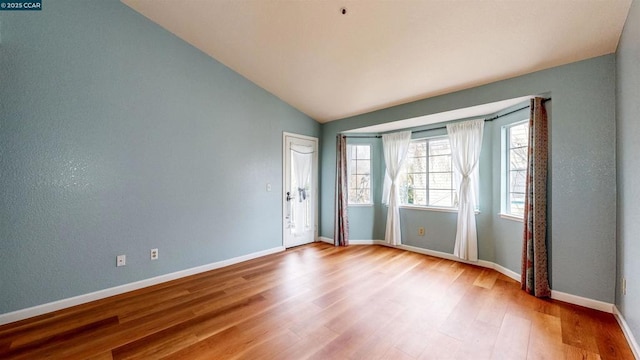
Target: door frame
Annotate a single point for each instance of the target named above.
(314, 176)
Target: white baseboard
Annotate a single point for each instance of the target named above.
(482, 263)
(557, 295)
(367, 242)
(582, 301)
(325, 239)
(627, 333)
(504, 271)
(101, 294)
(486, 264)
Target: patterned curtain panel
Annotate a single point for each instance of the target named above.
(341, 223)
(535, 277)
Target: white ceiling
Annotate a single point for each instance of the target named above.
(384, 53)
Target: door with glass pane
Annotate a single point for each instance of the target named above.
(300, 189)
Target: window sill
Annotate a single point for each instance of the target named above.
(359, 205)
(511, 217)
(433, 208)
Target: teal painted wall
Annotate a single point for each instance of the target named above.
(507, 233)
(369, 219)
(117, 137)
(628, 130)
(499, 239)
(440, 227)
(582, 226)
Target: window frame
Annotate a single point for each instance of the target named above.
(350, 150)
(454, 207)
(505, 194)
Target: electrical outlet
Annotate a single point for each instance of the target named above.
(121, 260)
(421, 231)
(624, 286)
(154, 254)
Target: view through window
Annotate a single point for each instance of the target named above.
(359, 174)
(427, 179)
(516, 152)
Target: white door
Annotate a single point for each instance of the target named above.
(300, 189)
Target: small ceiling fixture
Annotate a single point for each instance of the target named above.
(343, 10)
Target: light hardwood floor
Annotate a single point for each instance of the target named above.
(322, 302)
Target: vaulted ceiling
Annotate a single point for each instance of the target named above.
(381, 53)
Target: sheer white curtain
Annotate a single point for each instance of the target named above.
(301, 160)
(395, 147)
(466, 143)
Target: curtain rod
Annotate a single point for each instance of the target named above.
(486, 120)
(444, 127)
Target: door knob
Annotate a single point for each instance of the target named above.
(289, 197)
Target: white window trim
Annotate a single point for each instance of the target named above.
(434, 208)
(453, 208)
(504, 183)
(511, 217)
(370, 203)
(429, 208)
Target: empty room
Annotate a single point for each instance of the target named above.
(319, 179)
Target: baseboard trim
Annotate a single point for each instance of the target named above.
(101, 294)
(482, 263)
(439, 254)
(325, 239)
(633, 344)
(367, 242)
(582, 301)
(556, 295)
(507, 272)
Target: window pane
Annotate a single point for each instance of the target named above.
(363, 197)
(427, 170)
(441, 197)
(352, 166)
(519, 135)
(439, 147)
(359, 169)
(418, 148)
(419, 197)
(440, 181)
(352, 196)
(363, 167)
(418, 181)
(517, 204)
(351, 152)
(518, 158)
(517, 150)
(362, 152)
(440, 163)
(517, 181)
(363, 181)
(353, 181)
(414, 165)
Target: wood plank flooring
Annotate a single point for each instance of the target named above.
(322, 302)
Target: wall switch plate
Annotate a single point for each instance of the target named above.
(154, 254)
(121, 260)
(421, 231)
(268, 187)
